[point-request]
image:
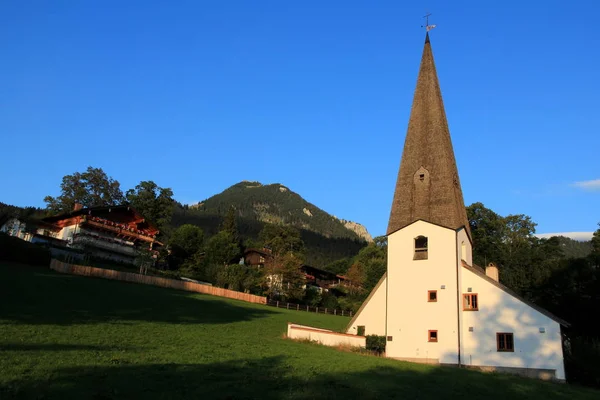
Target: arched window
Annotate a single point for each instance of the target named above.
(420, 248)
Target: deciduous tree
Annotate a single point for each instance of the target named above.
(91, 188)
(282, 239)
(222, 249)
(153, 202)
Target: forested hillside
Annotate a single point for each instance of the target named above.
(574, 248)
(326, 238)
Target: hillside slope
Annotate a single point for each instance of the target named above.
(70, 337)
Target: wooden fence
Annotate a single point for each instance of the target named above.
(304, 307)
(63, 267)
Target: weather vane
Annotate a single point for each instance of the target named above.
(427, 26)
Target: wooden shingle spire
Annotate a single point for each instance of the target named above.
(428, 187)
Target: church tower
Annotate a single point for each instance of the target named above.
(428, 233)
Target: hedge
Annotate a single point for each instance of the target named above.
(20, 251)
(376, 343)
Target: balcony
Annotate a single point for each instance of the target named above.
(121, 230)
(112, 245)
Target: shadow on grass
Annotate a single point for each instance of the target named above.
(33, 298)
(60, 347)
(276, 378)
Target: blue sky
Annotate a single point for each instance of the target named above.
(315, 95)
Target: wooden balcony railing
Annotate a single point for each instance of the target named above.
(126, 233)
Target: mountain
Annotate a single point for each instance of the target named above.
(326, 237)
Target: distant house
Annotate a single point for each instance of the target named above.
(324, 280)
(115, 233)
(31, 230)
(256, 257)
(315, 277)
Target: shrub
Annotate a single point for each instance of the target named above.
(376, 343)
(581, 361)
(20, 251)
(329, 301)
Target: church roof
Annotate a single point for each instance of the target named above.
(428, 187)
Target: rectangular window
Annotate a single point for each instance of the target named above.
(432, 336)
(505, 342)
(432, 296)
(470, 302)
(360, 330)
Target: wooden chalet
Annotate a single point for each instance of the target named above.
(115, 233)
(256, 257)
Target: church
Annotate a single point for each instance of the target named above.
(433, 304)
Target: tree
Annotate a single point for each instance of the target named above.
(230, 223)
(239, 277)
(283, 277)
(144, 259)
(186, 244)
(187, 239)
(221, 249)
(339, 266)
(153, 202)
(595, 255)
(487, 233)
(356, 274)
(372, 261)
(91, 188)
(282, 269)
(282, 239)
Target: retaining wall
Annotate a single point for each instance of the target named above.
(324, 336)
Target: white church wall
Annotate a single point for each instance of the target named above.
(324, 336)
(372, 313)
(464, 253)
(499, 312)
(409, 313)
(464, 248)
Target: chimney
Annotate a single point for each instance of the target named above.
(77, 206)
(492, 271)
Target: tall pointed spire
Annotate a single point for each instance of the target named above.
(428, 187)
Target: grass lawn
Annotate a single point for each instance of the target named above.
(65, 337)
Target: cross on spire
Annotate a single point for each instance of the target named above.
(427, 26)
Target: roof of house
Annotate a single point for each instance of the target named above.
(481, 273)
(102, 210)
(428, 186)
(259, 251)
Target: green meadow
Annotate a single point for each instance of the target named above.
(70, 337)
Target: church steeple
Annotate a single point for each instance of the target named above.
(428, 187)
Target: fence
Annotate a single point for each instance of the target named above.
(324, 336)
(301, 307)
(63, 267)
